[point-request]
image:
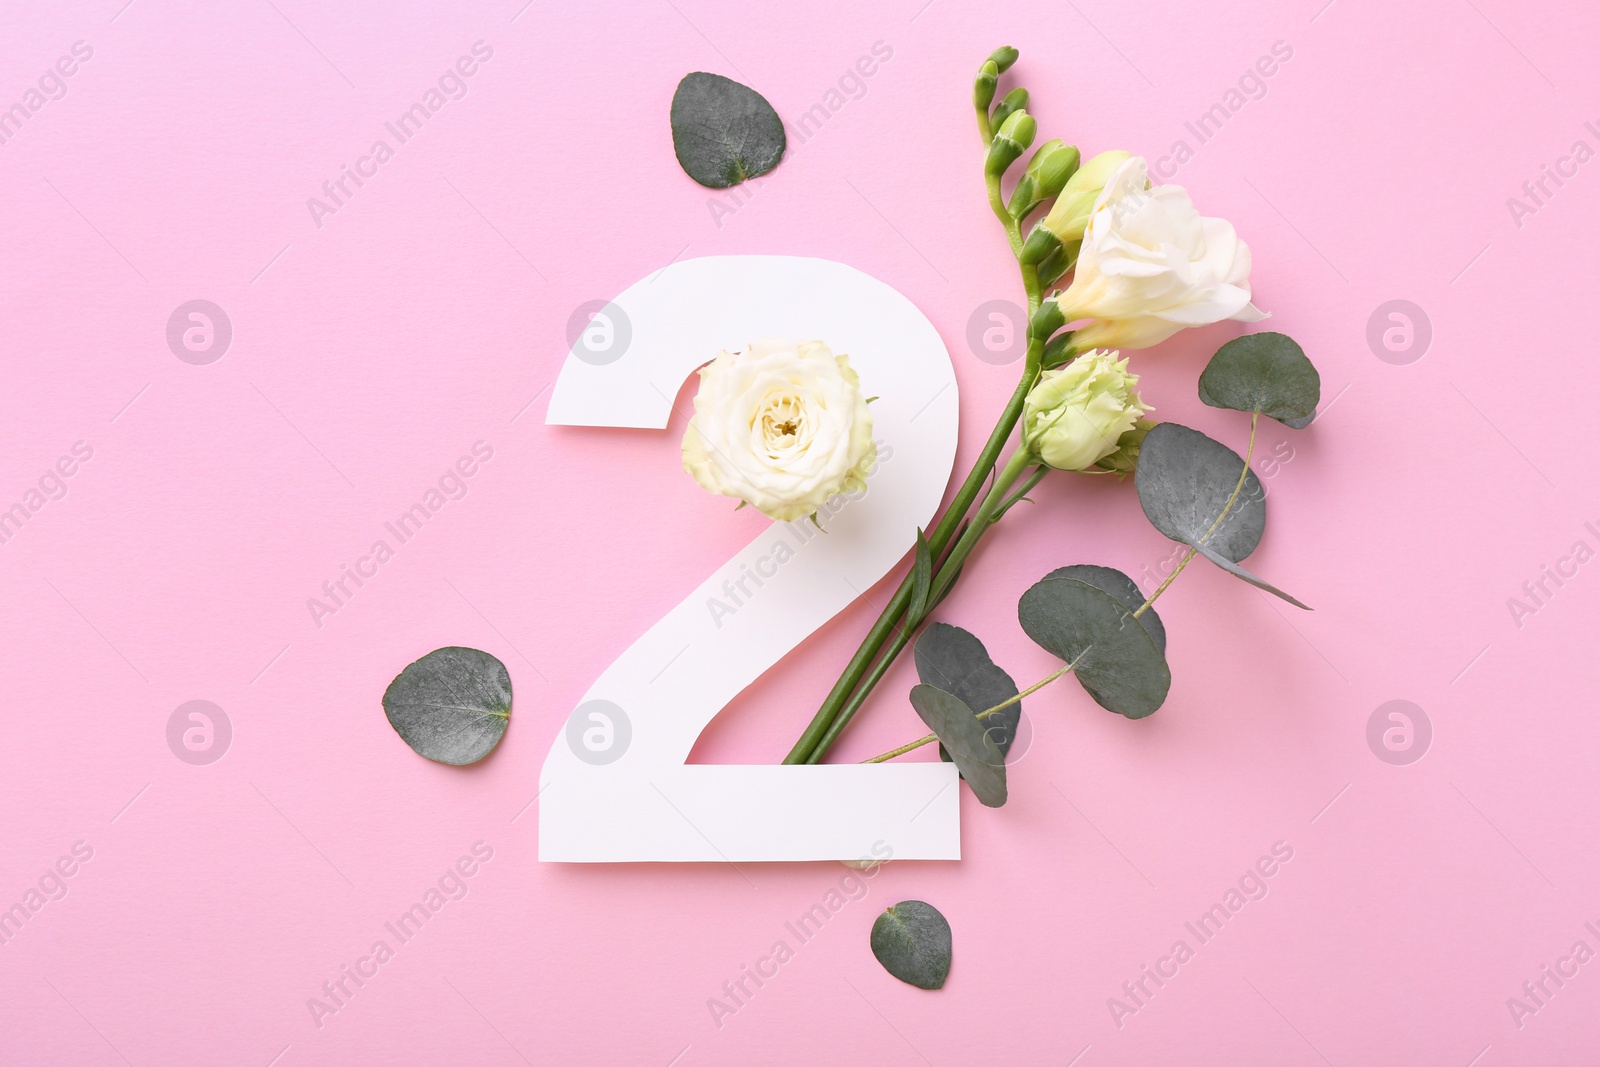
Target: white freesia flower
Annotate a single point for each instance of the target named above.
(1151, 265)
(1075, 414)
(782, 426)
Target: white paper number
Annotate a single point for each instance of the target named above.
(615, 787)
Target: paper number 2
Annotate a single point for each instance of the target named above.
(615, 786)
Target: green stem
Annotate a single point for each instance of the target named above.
(943, 578)
(887, 635)
(812, 746)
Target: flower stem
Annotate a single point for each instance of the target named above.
(890, 635)
(811, 746)
(942, 580)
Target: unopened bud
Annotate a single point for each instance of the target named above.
(1010, 141)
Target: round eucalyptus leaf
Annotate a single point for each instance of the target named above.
(1123, 588)
(1265, 372)
(1117, 661)
(452, 705)
(952, 659)
(724, 132)
(971, 748)
(1184, 481)
(912, 941)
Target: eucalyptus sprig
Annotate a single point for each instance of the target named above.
(1193, 489)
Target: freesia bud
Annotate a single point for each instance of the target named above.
(983, 87)
(1010, 141)
(1014, 101)
(1077, 414)
(1003, 57)
(1052, 164)
(1069, 215)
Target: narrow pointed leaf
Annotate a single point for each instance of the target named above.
(971, 748)
(921, 580)
(1239, 572)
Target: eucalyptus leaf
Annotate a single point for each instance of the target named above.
(952, 659)
(1117, 660)
(971, 748)
(1239, 572)
(724, 132)
(1124, 589)
(1265, 372)
(452, 705)
(912, 941)
(1184, 481)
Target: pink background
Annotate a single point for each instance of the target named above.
(430, 312)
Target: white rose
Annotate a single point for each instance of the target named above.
(1076, 414)
(1151, 265)
(781, 426)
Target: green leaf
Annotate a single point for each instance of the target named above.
(955, 661)
(921, 580)
(971, 748)
(1265, 372)
(1185, 480)
(1124, 589)
(1117, 660)
(912, 941)
(452, 705)
(724, 132)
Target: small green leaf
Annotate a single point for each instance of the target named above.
(912, 941)
(1117, 659)
(952, 659)
(1265, 372)
(724, 132)
(1185, 480)
(921, 580)
(971, 748)
(452, 705)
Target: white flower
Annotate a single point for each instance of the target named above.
(1151, 265)
(781, 426)
(1075, 414)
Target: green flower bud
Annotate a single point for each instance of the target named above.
(1010, 141)
(983, 87)
(1052, 164)
(1069, 215)
(1014, 101)
(1003, 57)
(1076, 415)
